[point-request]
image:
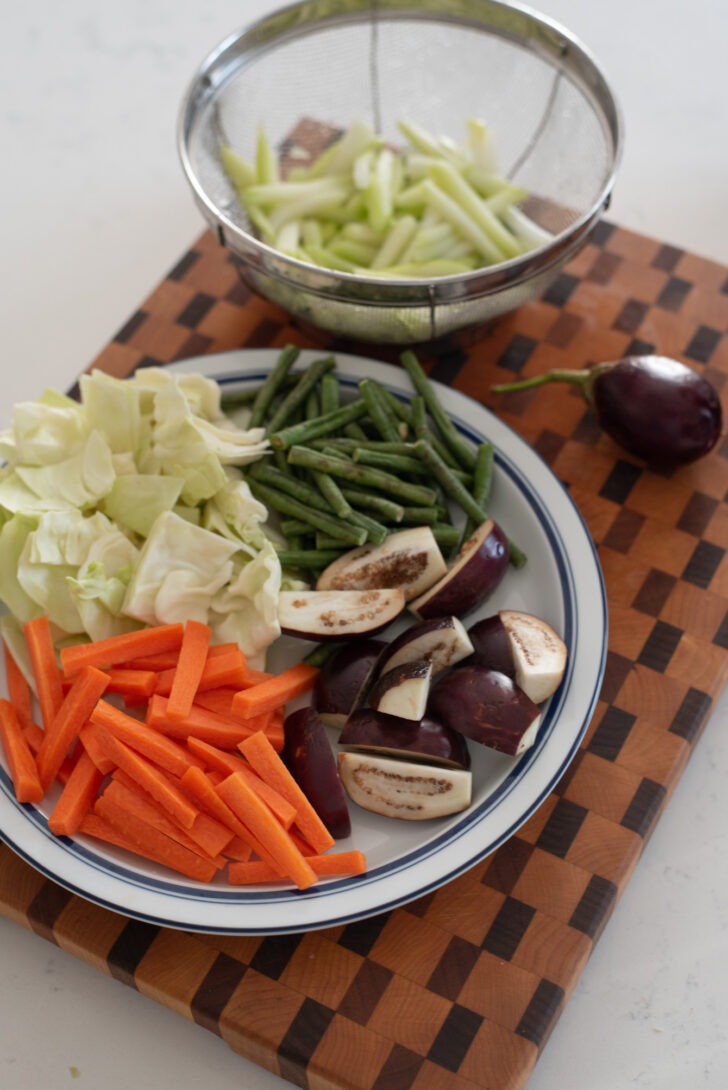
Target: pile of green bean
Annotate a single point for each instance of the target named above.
(341, 474)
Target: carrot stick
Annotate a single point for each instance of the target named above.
(77, 797)
(242, 873)
(117, 649)
(135, 686)
(254, 677)
(275, 692)
(163, 751)
(270, 767)
(230, 762)
(45, 669)
(148, 841)
(18, 688)
(125, 792)
(21, 762)
(200, 723)
(227, 670)
(34, 736)
(253, 812)
(73, 713)
(189, 669)
(238, 850)
(89, 738)
(167, 660)
(219, 700)
(274, 731)
(148, 776)
(198, 785)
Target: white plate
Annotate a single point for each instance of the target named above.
(561, 583)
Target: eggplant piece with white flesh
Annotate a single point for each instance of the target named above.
(524, 647)
(403, 690)
(337, 614)
(475, 573)
(404, 789)
(488, 707)
(343, 677)
(311, 761)
(427, 740)
(441, 641)
(410, 559)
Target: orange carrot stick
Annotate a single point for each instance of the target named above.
(230, 762)
(167, 660)
(275, 692)
(18, 688)
(254, 677)
(117, 649)
(77, 797)
(151, 778)
(72, 715)
(45, 669)
(125, 792)
(189, 669)
(200, 723)
(200, 787)
(275, 732)
(89, 739)
(34, 736)
(150, 842)
(21, 762)
(270, 767)
(135, 686)
(253, 812)
(227, 670)
(219, 700)
(242, 873)
(163, 751)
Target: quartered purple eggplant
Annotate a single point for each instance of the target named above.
(404, 789)
(524, 647)
(488, 707)
(473, 576)
(312, 763)
(410, 559)
(426, 740)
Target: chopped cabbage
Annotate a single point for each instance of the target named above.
(128, 508)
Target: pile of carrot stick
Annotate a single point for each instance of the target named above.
(168, 746)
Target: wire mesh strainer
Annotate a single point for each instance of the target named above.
(309, 70)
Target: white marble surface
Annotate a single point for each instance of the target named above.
(94, 210)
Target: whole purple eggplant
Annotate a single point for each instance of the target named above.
(656, 408)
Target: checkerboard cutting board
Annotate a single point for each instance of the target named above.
(460, 989)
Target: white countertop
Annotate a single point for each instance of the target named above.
(95, 210)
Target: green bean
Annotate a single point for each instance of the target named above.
(354, 431)
(366, 476)
(423, 516)
(287, 505)
(482, 480)
(297, 396)
(401, 463)
(371, 501)
(448, 432)
(383, 420)
(323, 425)
(516, 557)
(451, 485)
(294, 528)
(445, 535)
(286, 482)
(397, 408)
(272, 384)
(330, 393)
(308, 558)
(331, 492)
(322, 652)
(312, 409)
(376, 531)
(422, 430)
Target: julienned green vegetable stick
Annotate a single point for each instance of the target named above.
(452, 183)
(450, 210)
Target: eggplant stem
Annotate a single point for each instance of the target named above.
(583, 379)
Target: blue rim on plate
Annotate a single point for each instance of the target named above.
(562, 583)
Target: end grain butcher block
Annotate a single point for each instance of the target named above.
(460, 989)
